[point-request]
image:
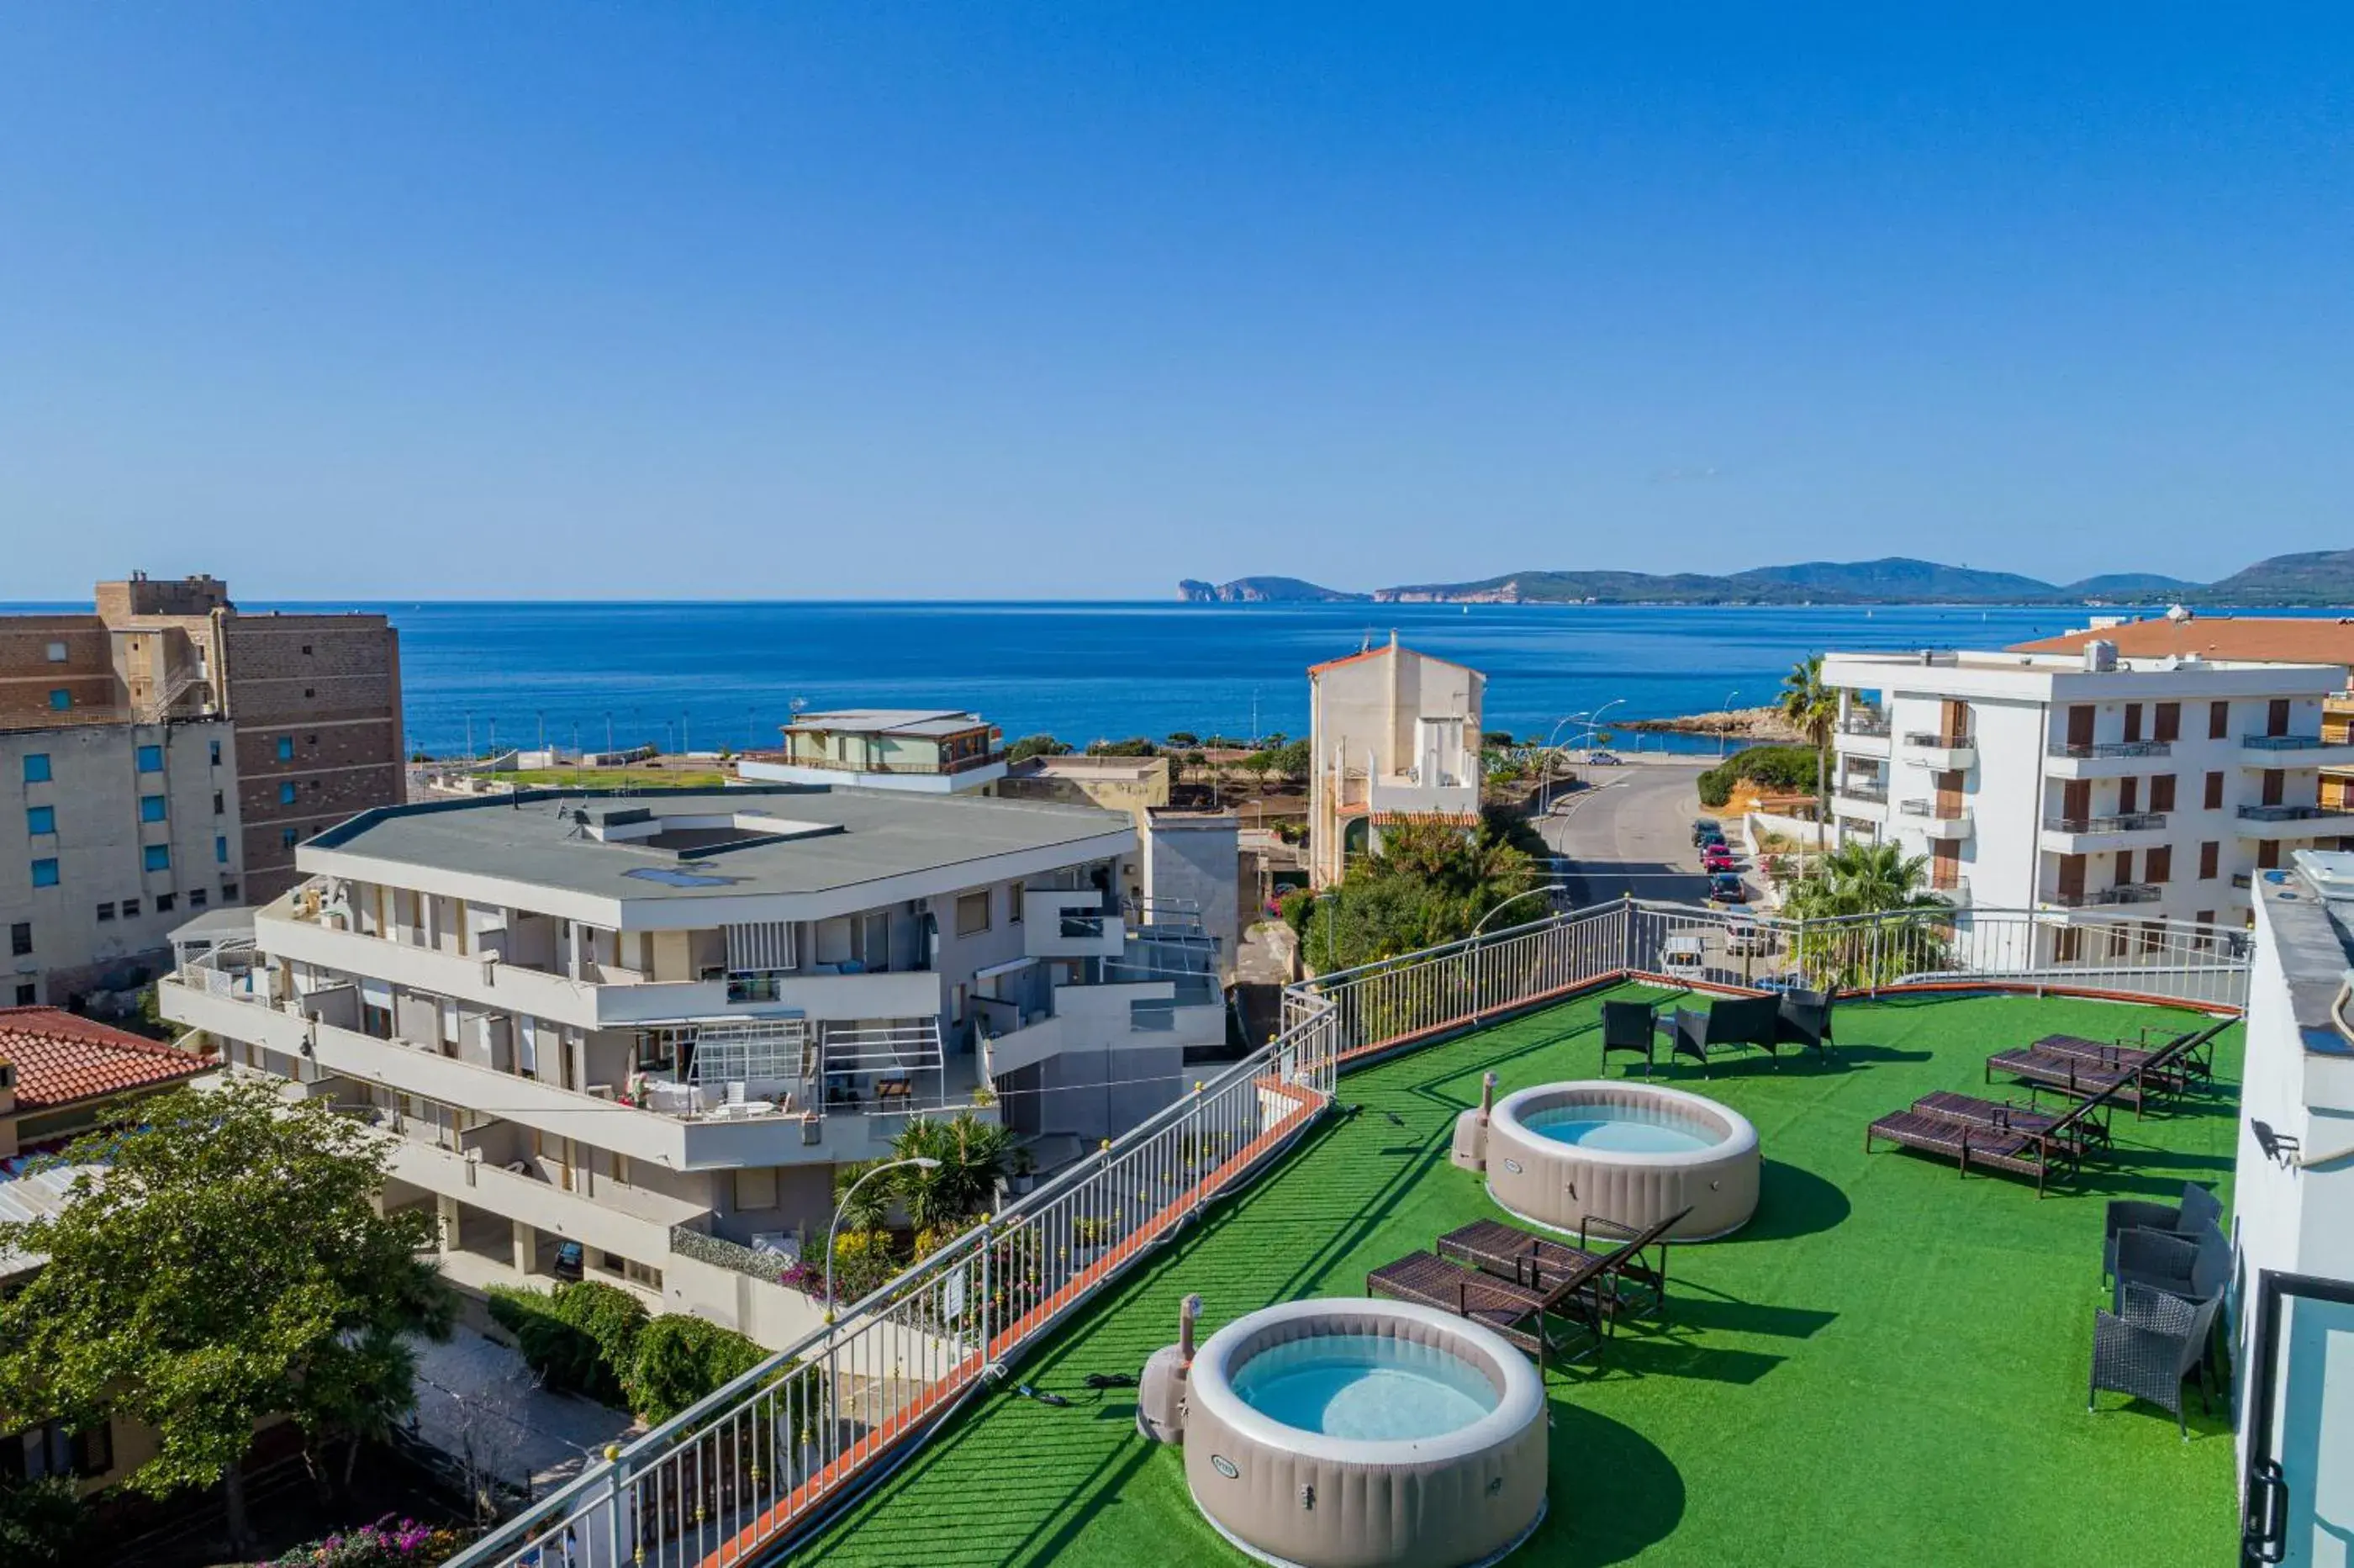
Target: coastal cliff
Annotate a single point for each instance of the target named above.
(1261, 591)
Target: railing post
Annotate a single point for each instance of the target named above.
(620, 1543)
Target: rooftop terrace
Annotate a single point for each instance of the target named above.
(1887, 1365)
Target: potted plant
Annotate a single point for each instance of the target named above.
(1025, 1169)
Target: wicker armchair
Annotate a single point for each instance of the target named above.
(2195, 1267)
(2200, 1207)
(1804, 1017)
(1629, 1026)
(2149, 1345)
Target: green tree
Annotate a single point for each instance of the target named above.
(679, 1360)
(230, 1266)
(1429, 881)
(1871, 915)
(1812, 707)
(41, 1522)
(1031, 746)
(972, 1153)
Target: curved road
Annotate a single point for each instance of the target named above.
(1631, 831)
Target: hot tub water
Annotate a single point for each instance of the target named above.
(1626, 1130)
(1365, 1386)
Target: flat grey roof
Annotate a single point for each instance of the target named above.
(783, 839)
(236, 920)
(891, 721)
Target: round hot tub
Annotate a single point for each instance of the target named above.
(1342, 1434)
(1633, 1153)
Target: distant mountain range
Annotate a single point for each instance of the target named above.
(2314, 577)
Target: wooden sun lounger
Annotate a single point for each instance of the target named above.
(2005, 1116)
(1503, 1305)
(1969, 1142)
(1627, 1283)
(2160, 1074)
(2187, 1056)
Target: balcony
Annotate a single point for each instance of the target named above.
(2285, 751)
(1405, 795)
(2092, 835)
(632, 1221)
(2294, 821)
(2102, 897)
(1861, 734)
(619, 998)
(1864, 791)
(2105, 758)
(1070, 923)
(683, 1127)
(1946, 753)
(1939, 820)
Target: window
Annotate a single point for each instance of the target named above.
(972, 913)
(221, 849)
(214, 749)
(151, 808)
(61, 699)
(36, 767)
(220, 805)
(156, 857)
(2161, 793)
(2159, 864)
(41, 819)
(2166, 722)
(56, 653)
(151, 759)
(55, 1449)
(197, 898)
(27, 994)
(2209, 854)
(286, 794)
(306, 648)
(131, 909)
(309, 693)
(106, 911)
(1014, 904)
(2125, 868)
(20, 938)
(2133, 721)
(2219, 721)
(2214, 792)
(287, 837)
(285, 749)
(45, 873)
(164, 902)
(2205, 917)
(228, 892)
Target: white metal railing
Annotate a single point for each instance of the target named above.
(730, 1479)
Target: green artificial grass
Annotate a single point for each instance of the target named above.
(1887, 1365)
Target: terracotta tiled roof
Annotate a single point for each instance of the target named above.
(60, 1058)
(1383, 651)
(2276, 639)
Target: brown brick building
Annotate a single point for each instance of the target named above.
(171, 751)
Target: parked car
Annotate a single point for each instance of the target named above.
(1746, 936)
(1714, 836)
(1705, 828)
(1602, 759)
(1726, 888)
(569, 1261)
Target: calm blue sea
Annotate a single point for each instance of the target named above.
(707, 675)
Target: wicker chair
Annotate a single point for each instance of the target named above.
(1804, 1018)
(1629, 1026)
(2194, 1268)
(2149, 1345)
(2198, 1207)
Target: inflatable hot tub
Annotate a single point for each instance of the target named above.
(1345, 1434)
(1629, 1152)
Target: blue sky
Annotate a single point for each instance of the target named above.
(1015, 301)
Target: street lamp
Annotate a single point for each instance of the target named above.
(920, 1161)
(1515, 898)
(1594, 720)
(1545, 761)
(1728, 720)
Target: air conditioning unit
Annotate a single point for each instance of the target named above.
(2100, 656)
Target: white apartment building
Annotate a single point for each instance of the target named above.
(2293, 1202)
(654, 1024)
(1392, 733)
(932, 751)
(2157, 787)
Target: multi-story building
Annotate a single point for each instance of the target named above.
(653, 1025)
(928, 750)
(171, 752)
(2154, 786)
(1392, 733)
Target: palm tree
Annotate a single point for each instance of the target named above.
(1813, 708)
(1872, 916)
(1864, 879)
(972, 1155)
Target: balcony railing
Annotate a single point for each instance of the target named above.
(1862, 789)
(2121, 893)
(2292, 814)
(2287, 742)
(1932, 740)
(899, 765)
(2080, 749)
(1865, 724)
(1935, 810)
(2115, 822)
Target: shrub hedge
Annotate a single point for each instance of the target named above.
(1770, 767)
(595, 1340)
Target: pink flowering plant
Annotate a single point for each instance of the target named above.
(386, 1543)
